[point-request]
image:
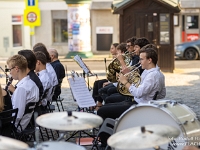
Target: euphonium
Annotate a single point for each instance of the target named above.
(115, 67)
(133, 78)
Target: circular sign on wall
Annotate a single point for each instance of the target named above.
(31, 17)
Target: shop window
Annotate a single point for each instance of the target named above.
(192, 22)
(17, 30)
(60, 32)
(17, 35)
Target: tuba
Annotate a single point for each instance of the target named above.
(115, 67)
(133, 78)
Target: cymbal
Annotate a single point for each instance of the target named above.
(69, 121)
(143, 137)
(52, 145)
(7, 143)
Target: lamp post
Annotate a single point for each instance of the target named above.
(79, 29)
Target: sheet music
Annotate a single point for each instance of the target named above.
(80, 62)
(80, 92)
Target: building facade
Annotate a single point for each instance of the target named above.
(53, 31)
(54, 25)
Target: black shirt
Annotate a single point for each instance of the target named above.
(37, 81)
(60, 72)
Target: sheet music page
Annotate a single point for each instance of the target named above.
(81, 92)
(80, 62)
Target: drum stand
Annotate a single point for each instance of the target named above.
(63, 136)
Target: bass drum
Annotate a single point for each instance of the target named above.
(166, 112)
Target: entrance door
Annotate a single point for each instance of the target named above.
(156, 28)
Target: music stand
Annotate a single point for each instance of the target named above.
(86, 70)
(82, 96)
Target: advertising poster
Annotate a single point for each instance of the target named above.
(79, 30)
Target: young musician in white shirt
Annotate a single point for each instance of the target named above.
(152, 80)
(44, 76)
(42, 48)
(26, 90)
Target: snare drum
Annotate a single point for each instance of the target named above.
(167, 112)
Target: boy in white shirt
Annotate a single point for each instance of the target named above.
(26, 90)
(44, 76)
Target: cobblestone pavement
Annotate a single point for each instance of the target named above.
(183, 86)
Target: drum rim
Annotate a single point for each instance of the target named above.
(155, 106)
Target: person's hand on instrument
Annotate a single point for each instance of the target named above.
(120, 57)
(125, 70)
(11, 88)
(123, 79)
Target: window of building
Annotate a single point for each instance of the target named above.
(60, 32)
(192, 22)
(17, 31)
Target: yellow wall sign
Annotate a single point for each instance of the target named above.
(32, 13)
(32, 17)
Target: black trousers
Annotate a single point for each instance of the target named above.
(112, 111)
(107, 91)
(117, 97)
(97, 85)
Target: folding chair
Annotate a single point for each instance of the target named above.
(107, 127)
(30, 129)
(7, 122)
(59, 99)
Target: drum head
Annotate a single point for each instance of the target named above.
(148, 115)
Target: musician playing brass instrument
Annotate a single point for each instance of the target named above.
(99, 83)
(138, 44)
(152, 80)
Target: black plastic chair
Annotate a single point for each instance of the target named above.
(7, 122)
(107, 127)
(59, 99)
(28, 133)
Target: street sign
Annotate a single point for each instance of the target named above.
(32, 17)
(31, 2)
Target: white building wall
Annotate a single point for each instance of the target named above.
(7, 9)
(101, 18)
(43, 33)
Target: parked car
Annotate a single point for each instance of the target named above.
(188, 50)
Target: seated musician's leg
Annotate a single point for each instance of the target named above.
(112, 111)
(95, 90)
(112, 90)
(97, 85)
(103, 91)
(117, 97)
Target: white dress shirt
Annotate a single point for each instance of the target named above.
(26, 91)
(45, 78)
(152, 80)
(52, 72)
